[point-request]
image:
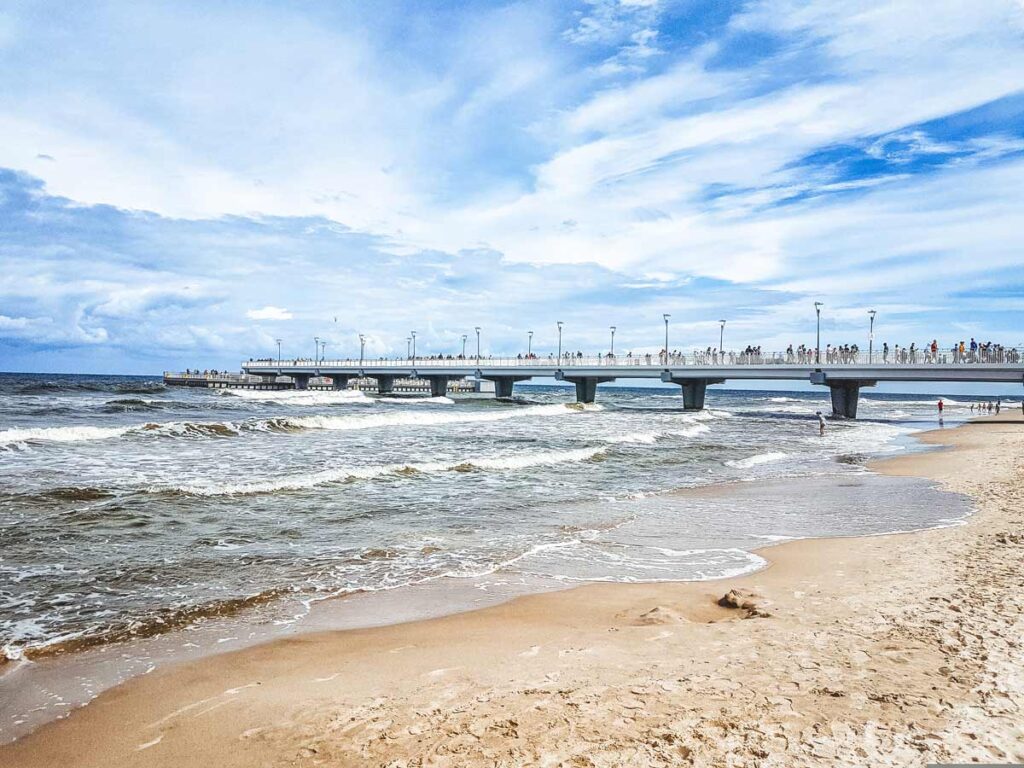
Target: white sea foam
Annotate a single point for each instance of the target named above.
(9, 437)
(757, 458)
(301, 396)
(348, 473)
(415, 401)
(428, 418)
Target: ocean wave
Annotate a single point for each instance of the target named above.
(132, 404)
(757, 458)
(349, 474)
(414, 400)
(411, 418)
(190, 429)
(14, 437)
(300, 396)
(158, 622)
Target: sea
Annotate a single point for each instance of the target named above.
(141, 523)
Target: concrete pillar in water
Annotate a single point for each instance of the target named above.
(385, 384)
(586, 386)
(694, 390)
(439, 385)
(301, 380)
(845, 393)
(503, 385)
(340, 382)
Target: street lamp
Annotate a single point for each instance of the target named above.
(559, 324)
(408, 347)
(817, 344)
(362, 348)
(323, 351)
(464, 337)
(721, 339)
(477, 329)
(316, 348)
(278, 351)
(529, 343)
(871, 337)
(611, 352)
(413, 334)
(666, 316)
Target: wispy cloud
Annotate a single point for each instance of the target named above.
(212, 166)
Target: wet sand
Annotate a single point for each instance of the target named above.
(887, 650)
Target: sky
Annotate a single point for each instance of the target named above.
(183, 183)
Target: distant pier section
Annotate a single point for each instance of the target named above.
(223, 380)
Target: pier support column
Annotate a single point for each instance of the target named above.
(503, 385)
(845, 393)
(586, 386)
(694, 390)
(301, 380)
(340, 382)
(385, 384)
(439, 385)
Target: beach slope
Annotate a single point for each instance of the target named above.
(888, 650)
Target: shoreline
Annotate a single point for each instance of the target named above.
(681, 607)
(39, 685)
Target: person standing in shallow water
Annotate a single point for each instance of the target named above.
(821, 424)
(940, 406)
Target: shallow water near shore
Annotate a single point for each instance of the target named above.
(218, 520)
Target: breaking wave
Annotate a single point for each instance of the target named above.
(300, 396)
(349, 474)
(428, 418)
(757, 458)
(14, 437)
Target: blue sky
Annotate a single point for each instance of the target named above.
(182, 183)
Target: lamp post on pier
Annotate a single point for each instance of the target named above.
(817, 344)
(408, 347)
(278, 351)
(529, 343)
(477, 329)
(721, 340)
(871, 337)
(316, 348)
(611, 351)
(464, 337)
(559, 324)
(413, 334)
(666, 316)
(362, 348)
(323, 351)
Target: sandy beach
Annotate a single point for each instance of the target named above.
(889, 650)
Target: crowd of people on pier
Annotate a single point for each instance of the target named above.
(962, 352)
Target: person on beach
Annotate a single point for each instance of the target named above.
(821, 424)
(940, 406)
(999, 404)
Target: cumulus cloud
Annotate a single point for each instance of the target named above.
(269, 313)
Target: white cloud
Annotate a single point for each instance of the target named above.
(269, 313)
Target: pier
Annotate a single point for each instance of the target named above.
(693, 373)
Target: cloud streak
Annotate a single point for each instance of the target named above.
(502, 165)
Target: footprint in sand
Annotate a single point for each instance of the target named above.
(533, 651)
